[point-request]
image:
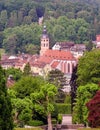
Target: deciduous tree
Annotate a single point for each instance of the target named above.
(89, 68)
(44, 101)
(94, 111)
(84, 94)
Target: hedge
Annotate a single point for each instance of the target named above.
(63, 108)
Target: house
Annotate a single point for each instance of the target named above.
(97, 42)
(76, 49)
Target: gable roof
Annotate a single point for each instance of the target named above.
(59, 55)
(54, 64)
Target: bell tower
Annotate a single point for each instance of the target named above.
(44, 41)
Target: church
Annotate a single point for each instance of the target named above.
(50, 59)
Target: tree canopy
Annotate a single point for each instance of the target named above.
(94, 111)
(88, 68)
(69, 20)
(6, 121)
(84, 94)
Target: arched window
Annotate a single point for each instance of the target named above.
(73, 66)
(68, 67)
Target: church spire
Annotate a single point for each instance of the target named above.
(44, 41)
(44, 33)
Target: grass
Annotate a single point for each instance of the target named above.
(27, 129)
(89, 129)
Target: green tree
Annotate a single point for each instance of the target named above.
(27, 85)
(27, 69)
(4, 17)
(84, 94)
(22, 109)
(57, 78)
(16, 73)
(88, 68)
(6, 122)
(44, 101)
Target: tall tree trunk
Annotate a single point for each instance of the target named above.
(49, 121)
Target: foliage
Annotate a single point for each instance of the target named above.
(16, 73)
(63, 108)
(67, 99)
(6, 121)
(43, 101)
(22, 109)
(73, 84)
(27, 85)
(27, 69)
(44, 98)
(57, 78)
(20, 38)
(35, 123)
(59, 118)
(94, 111)
(88, 68)
(84, 94)
(76, 21)
(37, 128)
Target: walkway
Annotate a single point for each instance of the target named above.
(67, 122)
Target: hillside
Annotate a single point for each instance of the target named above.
(80, 18)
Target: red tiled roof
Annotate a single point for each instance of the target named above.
(54, 64)
(45, 59)
(38, 64)
(59, 55)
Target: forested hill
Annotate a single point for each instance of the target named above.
(66, 20)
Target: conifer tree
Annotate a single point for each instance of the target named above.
(27, 69)
(6, 121)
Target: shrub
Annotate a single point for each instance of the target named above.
(67, 99)
(59, 118)
(35, 123)
(64, 108)
(54, 121)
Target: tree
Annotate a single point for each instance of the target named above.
(22, 109)
(27, 85)
(6, 121)
(16, 73)
(89, 46)
(27, 69)
(44, 101)
(74, 86)
(4, 17)
(94, 111)
(88, 68)
(57, 78)
(84, 94)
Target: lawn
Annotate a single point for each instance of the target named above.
(27, 129)
(89, 129)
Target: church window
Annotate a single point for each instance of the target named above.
(68, 68)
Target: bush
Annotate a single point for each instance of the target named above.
(67, 99)
(59, 118)
(64, 108)
(35, 123)
(54, 121)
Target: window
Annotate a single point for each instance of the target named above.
(68, 67)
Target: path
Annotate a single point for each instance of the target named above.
(67, 121)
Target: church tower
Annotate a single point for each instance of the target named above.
(44, 41)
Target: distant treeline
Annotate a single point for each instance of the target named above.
(74, 20)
